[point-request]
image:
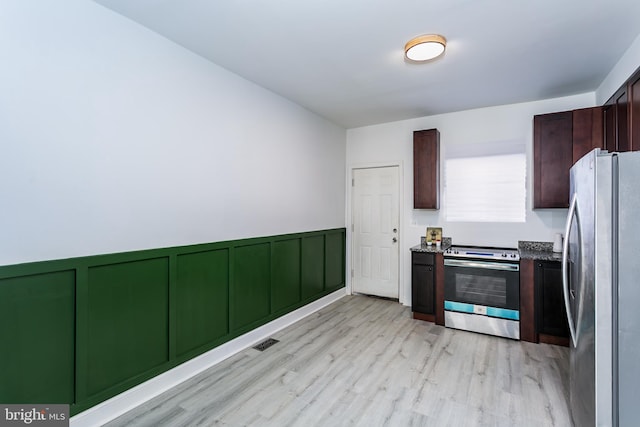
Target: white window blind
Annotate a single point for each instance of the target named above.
(486, 182)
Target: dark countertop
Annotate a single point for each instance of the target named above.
(541, 251)
(423, 247)
(432, 248)
(540, 255)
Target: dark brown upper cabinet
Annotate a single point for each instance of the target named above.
(610, 131)
(622, 117)
(426, 169)
(587, 131)
(559, 140)
(552, 156)
(634, 111)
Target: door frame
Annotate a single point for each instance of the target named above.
(402, 298)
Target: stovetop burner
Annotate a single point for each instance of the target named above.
(482, 253)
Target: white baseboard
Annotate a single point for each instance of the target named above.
(123, 402)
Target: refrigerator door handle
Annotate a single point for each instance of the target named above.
(565, 278)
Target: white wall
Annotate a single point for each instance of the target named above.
(115, 139)
(393, 142)
(625, 67)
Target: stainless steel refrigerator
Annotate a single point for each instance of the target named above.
(601, 279)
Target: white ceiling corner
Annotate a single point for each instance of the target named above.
(313, 52)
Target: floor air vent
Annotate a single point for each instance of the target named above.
(265, 344)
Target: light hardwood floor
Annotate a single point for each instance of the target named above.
(364, 361)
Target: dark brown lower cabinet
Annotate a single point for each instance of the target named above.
(527, 301)
(551, 316)
(423, 295)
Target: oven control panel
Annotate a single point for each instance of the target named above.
(507, 254)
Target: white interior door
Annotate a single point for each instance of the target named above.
(375, 231)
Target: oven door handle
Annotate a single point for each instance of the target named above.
(482, 264)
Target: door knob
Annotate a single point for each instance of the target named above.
(395, 230)
(394, 240)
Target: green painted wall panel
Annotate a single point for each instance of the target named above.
(335, 261)
(312, 265)
(285, 264)
(37, 323)
(128, 314)
(109, 322)
(202, 299)
(250, 293)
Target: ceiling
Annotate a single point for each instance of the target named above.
(344, 59)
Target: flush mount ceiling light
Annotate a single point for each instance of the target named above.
(424, 48)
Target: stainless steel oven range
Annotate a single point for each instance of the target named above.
(482, 290)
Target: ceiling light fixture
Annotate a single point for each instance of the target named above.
(424, 48)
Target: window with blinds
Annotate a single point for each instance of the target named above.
(486, 182)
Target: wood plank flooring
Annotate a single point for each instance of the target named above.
(364, 361)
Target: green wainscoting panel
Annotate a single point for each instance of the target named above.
(250, 293)
(285, 265)
(312, 265)
(128, 322)
(37, 329)
(202, 299)
(81, 330)
(334, 261)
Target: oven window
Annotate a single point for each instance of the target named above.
(482, 290)
(486, 284)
